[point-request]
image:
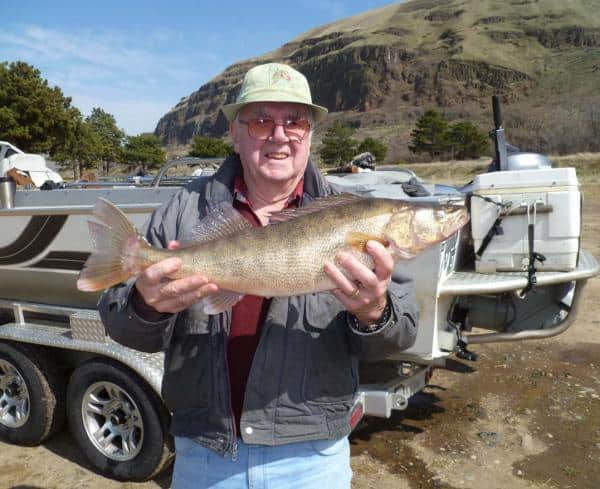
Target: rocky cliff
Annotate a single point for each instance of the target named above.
(396, 59)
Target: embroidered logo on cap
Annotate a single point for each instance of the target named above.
(281, 75)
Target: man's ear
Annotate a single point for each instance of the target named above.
(233, 127)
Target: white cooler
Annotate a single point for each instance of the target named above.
(557, 231)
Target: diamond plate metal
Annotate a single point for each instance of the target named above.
(149, 366)
(87, 326)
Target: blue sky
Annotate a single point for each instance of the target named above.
(136, 59)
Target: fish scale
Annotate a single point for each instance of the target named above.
(285, 259)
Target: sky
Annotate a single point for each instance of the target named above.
(137, 59)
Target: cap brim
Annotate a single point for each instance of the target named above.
(231, 110)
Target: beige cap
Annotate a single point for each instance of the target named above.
(274, 82)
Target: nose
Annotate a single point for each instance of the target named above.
(279, 134)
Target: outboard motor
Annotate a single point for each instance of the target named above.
(508, 157)
(499, 137)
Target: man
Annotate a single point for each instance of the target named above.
(261, 395)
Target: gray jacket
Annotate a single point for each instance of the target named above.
(304, 375)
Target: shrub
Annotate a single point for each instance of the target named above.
(209, 147)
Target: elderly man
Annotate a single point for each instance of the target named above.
(261, 395)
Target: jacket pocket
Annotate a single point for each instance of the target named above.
(188, 376)
(331, 369)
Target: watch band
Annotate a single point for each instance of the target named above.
(384, 320)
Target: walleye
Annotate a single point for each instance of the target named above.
(282, 259)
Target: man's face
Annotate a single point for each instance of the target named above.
(279, 159)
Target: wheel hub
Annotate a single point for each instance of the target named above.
(118, 418)
(13, 389)
(14, 396)
(112, 421)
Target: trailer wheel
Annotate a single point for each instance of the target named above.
(32, 395)
(118, 421)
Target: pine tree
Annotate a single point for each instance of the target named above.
(208, 147)
(34, 116)
(109, 135)
(338, 147)
(375, 147)
(144, 150)
(467, 141)
(430, 135)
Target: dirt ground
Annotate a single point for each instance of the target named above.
(525, 415)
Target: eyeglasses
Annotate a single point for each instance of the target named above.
(262, 128)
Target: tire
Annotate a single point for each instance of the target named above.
(118, 421)
(32, 395)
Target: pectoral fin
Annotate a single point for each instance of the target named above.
(400, 253)
(358, 240)
(221, 301)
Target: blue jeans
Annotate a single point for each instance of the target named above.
(306, 465)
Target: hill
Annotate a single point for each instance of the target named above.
(379, 70)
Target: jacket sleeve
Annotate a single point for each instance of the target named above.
(400, 332)
(120, 319)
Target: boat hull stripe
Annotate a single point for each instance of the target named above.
(63, 260)
(33, 240)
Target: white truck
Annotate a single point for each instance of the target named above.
(516, 273)
(28, 167)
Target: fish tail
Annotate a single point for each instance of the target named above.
(117, 245)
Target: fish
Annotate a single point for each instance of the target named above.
(285, 258)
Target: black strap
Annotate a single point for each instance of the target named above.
(496, 229)
(533, 256)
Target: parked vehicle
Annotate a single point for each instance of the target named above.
(26, 168)
(517, 272)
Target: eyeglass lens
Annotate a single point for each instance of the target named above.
(262, 129)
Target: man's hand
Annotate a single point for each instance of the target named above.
(163, 293)
(364, 294)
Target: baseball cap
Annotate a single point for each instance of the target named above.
(274, 82)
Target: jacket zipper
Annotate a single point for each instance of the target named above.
(232, 445)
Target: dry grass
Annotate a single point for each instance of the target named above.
(586, 164)
(461, 172)
(451, 172)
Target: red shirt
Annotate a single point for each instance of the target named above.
(248, 315)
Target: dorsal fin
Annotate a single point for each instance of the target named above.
(314, 206)
(221, 222)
